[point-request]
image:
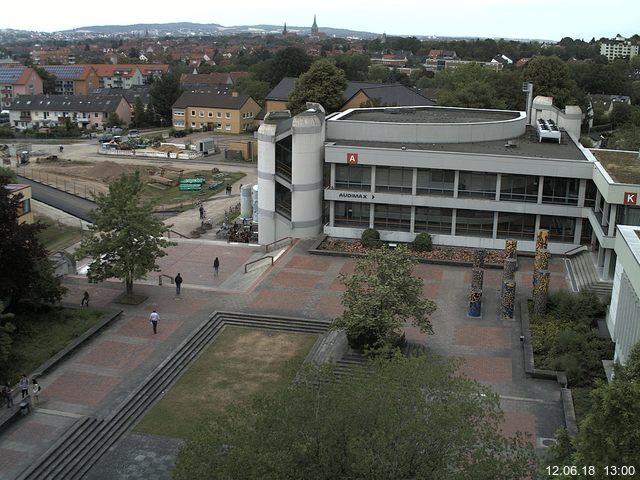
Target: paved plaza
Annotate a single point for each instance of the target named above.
(98, 377)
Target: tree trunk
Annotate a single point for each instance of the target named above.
(129, 285)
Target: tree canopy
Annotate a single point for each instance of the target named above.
(26, 274)
(610, 432)
(324, 83)
(381, 295)
(551, 77)
(404, 418)
(164, 93)
(126, 237)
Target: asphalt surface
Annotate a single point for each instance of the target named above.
(71, 204)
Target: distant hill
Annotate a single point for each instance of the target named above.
(189, 28)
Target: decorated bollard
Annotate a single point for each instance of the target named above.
(508, 298)
(475, 303)
(511, 247)
(541, 260)
(541, 292)
(477, 278)
(478, 258)
(508, 271)
(542, 239)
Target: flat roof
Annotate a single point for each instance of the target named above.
(428, 115)
(526, 145)
(623, 167)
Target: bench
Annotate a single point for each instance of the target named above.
(21, 407)
(215, 185)
(190, 186)
(193, 180)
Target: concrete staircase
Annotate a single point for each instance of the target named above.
(583, 275)
(80, 448)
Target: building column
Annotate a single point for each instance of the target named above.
(582, 192)
(494, 231)
(607, 262)
(578, 232)
(414, 184)
(332, 212)
(456, 182)
(332, 178)
(612, 220)
(371, 214)
(498, 183)
(540, 190)
(373, 179)
(412, 225)
(454, 214)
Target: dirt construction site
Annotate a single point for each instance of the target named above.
(79, 169)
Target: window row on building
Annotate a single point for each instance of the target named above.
(452, 183)
(456, 221)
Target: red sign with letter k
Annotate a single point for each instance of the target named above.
(630, 198)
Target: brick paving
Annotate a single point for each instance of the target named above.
(105, 370)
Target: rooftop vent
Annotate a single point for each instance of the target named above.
(548, 130)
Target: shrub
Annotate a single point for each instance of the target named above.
(371, 238)
(422, 243)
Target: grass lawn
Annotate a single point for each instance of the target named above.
(172, 196)
(57, 236)
(240, 363)
(43, 334)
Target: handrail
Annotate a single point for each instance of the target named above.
(256, 261)
(575, 250)
(266, 247)
(164, 275)
(177, 233)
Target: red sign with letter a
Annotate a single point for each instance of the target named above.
(630, 198)
(352, 158)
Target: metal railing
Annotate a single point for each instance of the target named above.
(258, 260)
(61, 182)
(164, 275)
(169, 232)
(574, 250)
(268, 246)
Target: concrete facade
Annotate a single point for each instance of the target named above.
(469, 177)
(623, 319)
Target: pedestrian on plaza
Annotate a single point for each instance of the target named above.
(178, 281)
(201, 212)
(7, 394)
(228, 190)
(24, 385)
(216, 266)
(85, 300)
(35, 388)
(154, 318)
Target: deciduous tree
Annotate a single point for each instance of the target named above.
(126, 237)
(406, 418)
(381, 295)
(324, 83)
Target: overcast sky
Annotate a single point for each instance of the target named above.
(552, 20)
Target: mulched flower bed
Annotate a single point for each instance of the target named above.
(439, 253)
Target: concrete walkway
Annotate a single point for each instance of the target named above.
(96, 379)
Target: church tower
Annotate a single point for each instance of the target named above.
(284, 32)
(314, 27)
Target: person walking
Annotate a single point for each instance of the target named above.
(85, 300)
(24, 385)
(7, 394)
(178, 281)
(201, 212)
(154, 318)
(216, 266)
(35, 388)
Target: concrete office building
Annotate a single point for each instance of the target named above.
(469, 177)
(623, 319)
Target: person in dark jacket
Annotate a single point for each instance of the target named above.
(178, 281)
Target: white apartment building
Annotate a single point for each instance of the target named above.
(619, 48)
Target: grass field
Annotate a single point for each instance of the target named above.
(57, 236)
(43, 334)
(238, 364)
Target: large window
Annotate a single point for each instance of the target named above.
(563, 191)
(433, 220)
(394, 179)
(590, 194)
(435, 182)
(477, 185)
(474, 223)
(519, 188)
(516, 225)
(392, 217)
(627, 215)
(561, 229)
(349, 214)
(353, 177)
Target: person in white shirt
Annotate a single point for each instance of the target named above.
(154, 318)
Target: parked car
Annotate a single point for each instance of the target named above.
(133, 133)
(180, 134)
(105, 137)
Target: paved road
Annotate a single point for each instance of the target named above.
(76, 206)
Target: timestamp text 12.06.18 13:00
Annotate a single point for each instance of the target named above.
(591, 471)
